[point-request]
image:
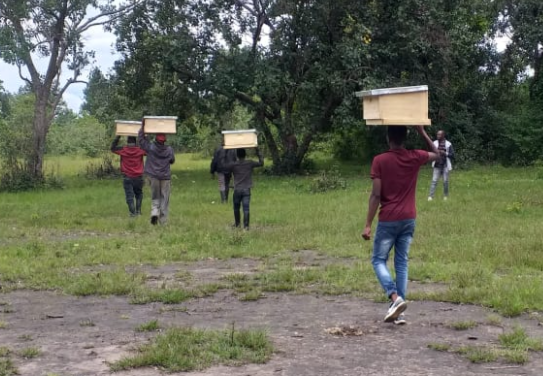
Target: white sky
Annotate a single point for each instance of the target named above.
(102, 42)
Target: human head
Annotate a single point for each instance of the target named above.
(131, 140)
(441, 135)
(396, 135)
(160, 138)
(241, 153)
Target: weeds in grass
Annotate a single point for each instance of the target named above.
(87, 323)
(494, 320)
(166, 296)
(4, 351)
(3, 325)
(188, 349)
(7, 368)
(481, 354)
(518, 339)
(462, 325)
(437, 346)
(25, 338)
(150, 326)
(29, 352)
(251, 296)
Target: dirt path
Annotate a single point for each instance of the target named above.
(296, 324)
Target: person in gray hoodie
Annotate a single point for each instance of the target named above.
(157, 168)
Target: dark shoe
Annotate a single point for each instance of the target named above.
(154, 220)
(246, 217)
(131, 208)
(138, 205)
(223, 198)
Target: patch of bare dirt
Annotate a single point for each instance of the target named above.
(312, 335)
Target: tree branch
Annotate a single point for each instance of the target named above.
(111, 16)
(25, 79)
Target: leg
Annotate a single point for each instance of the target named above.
(138, 191)
(227, 179)
(165, 188)
(384, 240)
(435, 178)
(129, 195)
(401, 255)
(246, 200)
(445, 182)
(221, 180)
(155, 200)
(237, 204)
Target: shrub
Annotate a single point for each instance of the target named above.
(102, 169)
(328, 181)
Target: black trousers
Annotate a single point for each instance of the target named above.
(133, 188)
(242, 197)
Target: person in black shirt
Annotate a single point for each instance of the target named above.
(243, 182)
(221, 157)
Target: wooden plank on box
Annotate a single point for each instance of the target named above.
(127, 128)
(240, 139)
(396, 106)
(160, 124)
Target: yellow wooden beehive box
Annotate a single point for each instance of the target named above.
(396, 106)
(160, 124)
(240, 139)
(127, 128)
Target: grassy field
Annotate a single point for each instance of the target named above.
(484, 243)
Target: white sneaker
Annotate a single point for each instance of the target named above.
(430, 199)
(400, 320)
(395, 309)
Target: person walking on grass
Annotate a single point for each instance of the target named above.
(242, 170)
(157, 168)
(222, 157)
(442, 166)
(394, 174)
(132, 170)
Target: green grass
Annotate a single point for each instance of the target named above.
(188, 349)
(150, 326)
(29, 352)
(518, 339)
(462, 325)
(7, 368)
(438, 346)
(484, 243)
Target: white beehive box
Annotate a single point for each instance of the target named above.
(160, 124)
(240, 139)
(396, 106)
(127, 128)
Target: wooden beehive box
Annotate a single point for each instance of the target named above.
(127, 128)
(240, 139)
(160, 124)
(396, 106)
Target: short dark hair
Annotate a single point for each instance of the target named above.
(131, 140)
(397, 134)
(241, 153)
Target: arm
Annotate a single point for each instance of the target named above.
(433, 154)
(142, 138)
(373, 206)
(115, 148)
(213, 166)
(172, 159)
(451, 152)
(260, 162)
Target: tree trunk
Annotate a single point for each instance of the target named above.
(39, 134)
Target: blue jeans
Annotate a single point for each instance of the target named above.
(439, 172)
(399, 235)
(242, 197)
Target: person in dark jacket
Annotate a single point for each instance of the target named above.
(243, 182)
(132, 170)
(157, 168)
(221, 157)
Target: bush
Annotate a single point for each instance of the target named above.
(84, 135)
(102, 169)
(16, 177)
(328, 181)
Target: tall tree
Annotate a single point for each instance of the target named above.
(50, 30)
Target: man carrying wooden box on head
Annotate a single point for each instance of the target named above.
(132, 170)
(157, 168)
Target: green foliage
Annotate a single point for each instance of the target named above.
(103, 168)
(150, 326)
(83, 135)
(328, 180)
(188, 349)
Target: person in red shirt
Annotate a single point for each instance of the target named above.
(132, 170)
(394, 174)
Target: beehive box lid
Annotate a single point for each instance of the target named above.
(390, 91)
(161, 117)
(160, 124)
(240, 131)
(127, 127)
